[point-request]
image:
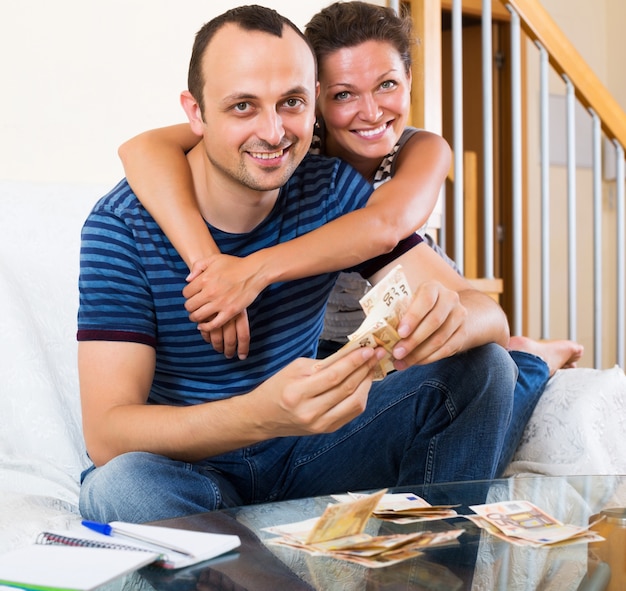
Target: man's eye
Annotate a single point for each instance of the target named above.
(241, 107)
(293, 102)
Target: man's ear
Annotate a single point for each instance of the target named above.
(317, 96)
(193, 112)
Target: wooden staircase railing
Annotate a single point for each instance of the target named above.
(609, 121)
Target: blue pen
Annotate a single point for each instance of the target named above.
(108, 530)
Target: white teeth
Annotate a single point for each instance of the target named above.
(266, 156)
(370, 132)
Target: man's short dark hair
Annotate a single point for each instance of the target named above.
(249, 18)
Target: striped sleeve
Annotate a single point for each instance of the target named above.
(112, 284)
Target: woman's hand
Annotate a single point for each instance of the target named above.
(220, 289)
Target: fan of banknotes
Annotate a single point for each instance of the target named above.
(340, 532)
(384, 305)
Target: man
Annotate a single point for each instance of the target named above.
(174, 427)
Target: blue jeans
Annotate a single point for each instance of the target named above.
(533, 375)
(433, 423)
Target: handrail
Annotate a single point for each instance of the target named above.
(556, 53)
(566, 60)
(474, 7)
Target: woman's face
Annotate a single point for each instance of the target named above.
(364, 101)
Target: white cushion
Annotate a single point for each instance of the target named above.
(577, 427)
(41, 445)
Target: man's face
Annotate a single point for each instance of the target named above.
(259, 105)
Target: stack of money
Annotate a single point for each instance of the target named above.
(384, 305)
(405, 507)
(339, 532)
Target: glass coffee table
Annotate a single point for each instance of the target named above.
(478, 562)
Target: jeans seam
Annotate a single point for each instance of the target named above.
(209, 483)
(432, 444)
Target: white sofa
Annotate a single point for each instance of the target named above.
(41, 447)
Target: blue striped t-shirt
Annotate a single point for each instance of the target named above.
(131, 282)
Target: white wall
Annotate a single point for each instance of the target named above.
(78, 77)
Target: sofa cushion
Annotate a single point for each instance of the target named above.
(577, 426)
(41, 446)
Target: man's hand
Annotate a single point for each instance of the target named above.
(233, 337)
(220, 289)
(305, 397)
(308, 397)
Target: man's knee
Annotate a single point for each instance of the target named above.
(138, 487)
(111, 489)
(489, 376)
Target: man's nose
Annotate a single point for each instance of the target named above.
(271, 129)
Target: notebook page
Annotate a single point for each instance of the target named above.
(68, 567)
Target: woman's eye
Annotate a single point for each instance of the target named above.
(388, 84)
(342, 96)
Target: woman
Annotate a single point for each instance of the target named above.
(364, 65)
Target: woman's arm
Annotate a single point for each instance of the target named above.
(156, 168)
(158, 172)
(395, 210)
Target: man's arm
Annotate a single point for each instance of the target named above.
(301, 399)
(447, 314)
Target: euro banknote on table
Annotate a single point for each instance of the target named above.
(524, 524)
(404, 507)
(339, 532)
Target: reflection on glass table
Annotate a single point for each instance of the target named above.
(478, 562)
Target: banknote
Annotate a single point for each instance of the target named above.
(389, 298)
(384, 305)
(339, 532)
(344, 519)
(522, 523)
(376, 551)
(405, 507)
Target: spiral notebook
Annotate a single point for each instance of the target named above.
(67, 568)
(197, 546)
(81, 559)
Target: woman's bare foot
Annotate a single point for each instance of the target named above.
(558, 354)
